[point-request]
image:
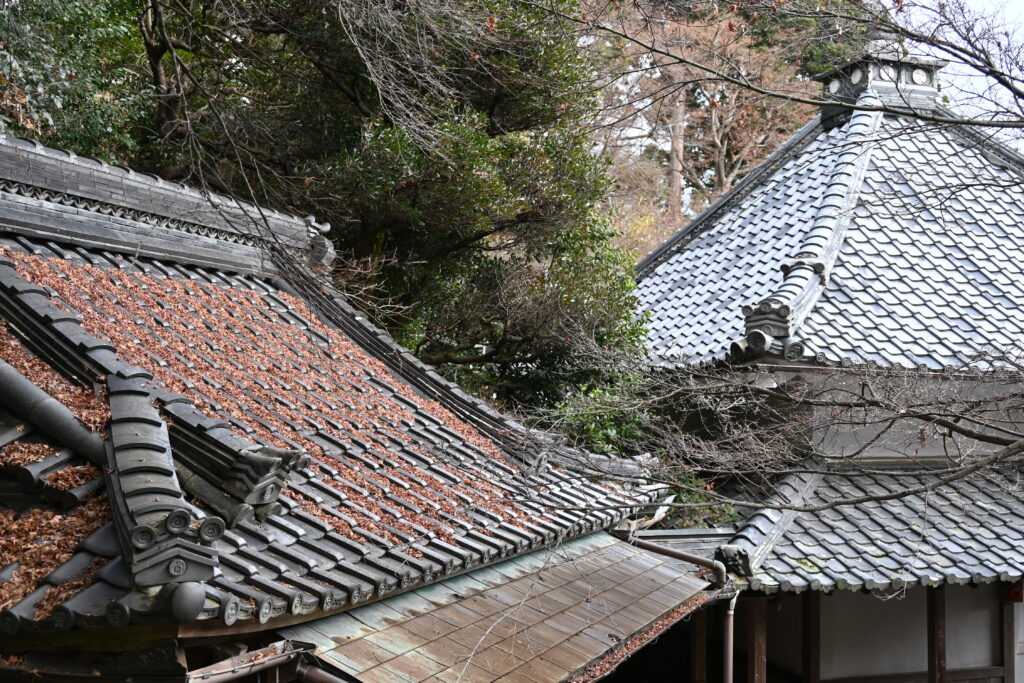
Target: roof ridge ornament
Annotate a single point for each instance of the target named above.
(898, 79)
(748, 549)
(807, 272)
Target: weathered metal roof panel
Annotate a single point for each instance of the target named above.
(542, 616)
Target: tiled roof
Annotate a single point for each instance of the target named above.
(694, 286)
(881, 240)
(968, 531)
(269, 453)
(399, 490)
(540, 617)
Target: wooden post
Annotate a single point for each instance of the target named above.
(1009, 644)
(937, 634)
(699, 648)
(757, 642)
(811, 637)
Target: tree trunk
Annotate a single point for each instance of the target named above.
(677, 154)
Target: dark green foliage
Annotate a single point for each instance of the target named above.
(829, 34)
(442, 140)
(71, 75)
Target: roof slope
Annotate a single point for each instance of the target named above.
(694, 286)
(880, 240)
(932, 270)
(968, 531)
(258, 449)
(398, 491)
(522, 618)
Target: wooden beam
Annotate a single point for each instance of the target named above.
(757, 642)
(699, 647)
(937, 635)
(811, 653)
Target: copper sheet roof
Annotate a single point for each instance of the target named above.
(545, 616)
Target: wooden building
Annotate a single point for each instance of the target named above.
(213, 468)
(874, 241)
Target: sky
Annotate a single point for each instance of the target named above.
(962, 84)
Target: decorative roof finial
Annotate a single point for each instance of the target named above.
(898, 78)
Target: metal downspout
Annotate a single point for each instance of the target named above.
(308, 673)
(730, 618)
(721, 578)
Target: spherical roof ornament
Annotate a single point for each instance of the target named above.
(187, 601)
(142, 536)
(177, 522)
(230, 610)
(118, 614)
(211, 529)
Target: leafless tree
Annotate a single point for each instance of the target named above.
(986, 54)
(709, 132)
(720, 436)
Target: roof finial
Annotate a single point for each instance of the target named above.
(899, 79)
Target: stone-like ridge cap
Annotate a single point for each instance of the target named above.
(763, 529)
(807, 271)
(60, 171)
(154, 522)
(741, 189)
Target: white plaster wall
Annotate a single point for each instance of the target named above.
(862, 635)
(973, 626)
(904, 439)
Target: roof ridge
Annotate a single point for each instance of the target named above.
(801, 485)
(987, 139)
(143, 176)
(792, 146)
(806, 273)
(61, 178)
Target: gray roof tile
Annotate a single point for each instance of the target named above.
(929, 272)
(968, 530)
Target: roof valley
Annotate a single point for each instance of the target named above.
(798, 490)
